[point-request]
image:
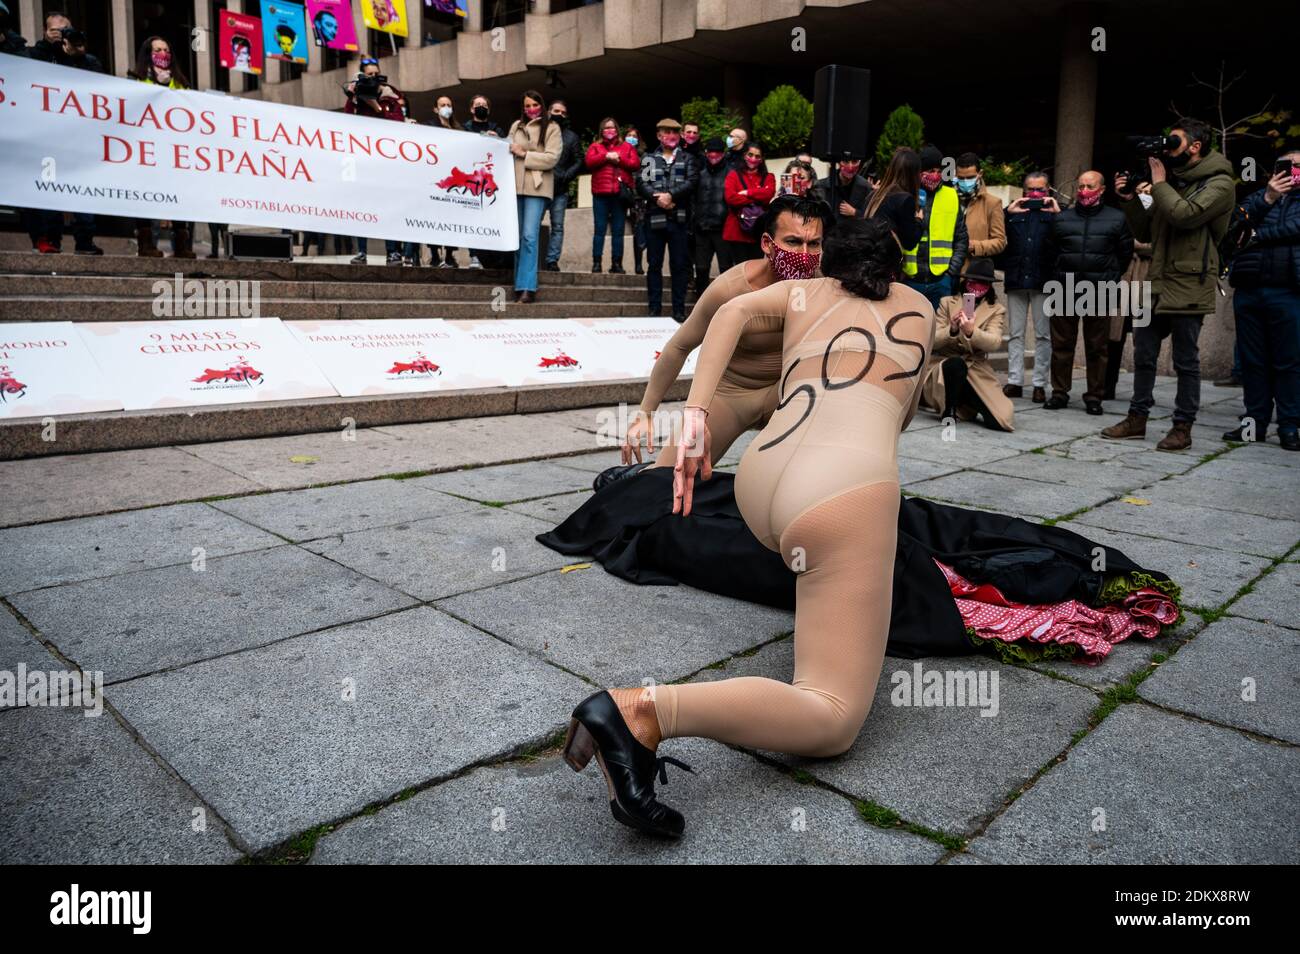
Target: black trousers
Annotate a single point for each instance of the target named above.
(709, 243)
(673, 237)
(957, 390)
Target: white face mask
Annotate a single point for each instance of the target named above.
(445, 112)
(1146, 199)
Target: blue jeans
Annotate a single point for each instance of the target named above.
(556, 212)
(1268, 336)
(530, 209)
(935, 291)
(608, 210)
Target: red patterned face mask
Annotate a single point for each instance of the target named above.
(793, 265)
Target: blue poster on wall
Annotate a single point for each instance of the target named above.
(284, 31)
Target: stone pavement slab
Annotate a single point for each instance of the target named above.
(299, 515)
(306, 460)
(969, 444)
(1219, 797)
(1111, 475)
(507, 483)
(1237, 468)
(914, 470)
(1268, 453)
(737, 810)
(1274, 599)
(946, 767)
(494, 440)
(54, 488)
(593, 463)
(18, 645)
(82, 549)
(551, 509)
(140, 622)
(1029, 498)
(1208, 577)
(80, 791)
(1236, 497)
(438, 557)
(1239, 673)
(269, 739)
(616, 633)
(1189, 523)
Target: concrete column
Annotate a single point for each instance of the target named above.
(474, 16)
(414, 25)
(1076, 110)
(31, 23)
(123, 20)
(203, 59)
(733, 94)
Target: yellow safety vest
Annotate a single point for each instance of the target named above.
(943, 227)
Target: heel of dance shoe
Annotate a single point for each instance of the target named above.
(579, 746)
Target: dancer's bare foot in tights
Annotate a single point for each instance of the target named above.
(637, 707)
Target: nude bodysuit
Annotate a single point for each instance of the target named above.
(819, 485)
(746, 389)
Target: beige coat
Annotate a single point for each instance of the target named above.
(990, 322)
(534, 173)
(986, 230)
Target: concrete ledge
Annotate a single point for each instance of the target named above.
(128, 430)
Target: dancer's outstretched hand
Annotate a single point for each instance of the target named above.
(694, 455)
(639, 428)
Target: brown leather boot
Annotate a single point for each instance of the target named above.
(182, 247)
(144, 243)
(1133, 427)
(1178, 438)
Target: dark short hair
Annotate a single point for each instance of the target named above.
(800, 206)
(968, 159)
(1197, 131)
(1037, 174)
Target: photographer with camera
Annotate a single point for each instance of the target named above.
(1192, 195)
(1028, 263)
(63, 45)
(1266, 276)
(370, 94)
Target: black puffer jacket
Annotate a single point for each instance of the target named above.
(1029, 261)
(571, 161)
(1272, 259)
(1094, 243)
(710, 198)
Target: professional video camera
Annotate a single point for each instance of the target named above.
(1148, 147)
(367, 87)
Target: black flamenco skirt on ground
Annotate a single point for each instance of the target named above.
(628, 526)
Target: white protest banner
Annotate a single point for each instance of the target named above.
(45, 369)
(531, 350)
(628, 347)
(150, 364)
(78, 141)
(394, 355)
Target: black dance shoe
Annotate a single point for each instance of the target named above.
(617, 472)
(598, 728)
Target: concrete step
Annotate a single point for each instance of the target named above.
(40, 308)
(142, 287)
(30, 263)
(125, 430)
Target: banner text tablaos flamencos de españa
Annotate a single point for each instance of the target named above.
(76, 141)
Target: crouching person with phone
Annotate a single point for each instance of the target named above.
(1266, 277)
(959, 382)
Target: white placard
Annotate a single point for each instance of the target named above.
(627, 347)
(393, 355)
(531, 350)
(151, 364)
(45, 370)
(78, 141)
